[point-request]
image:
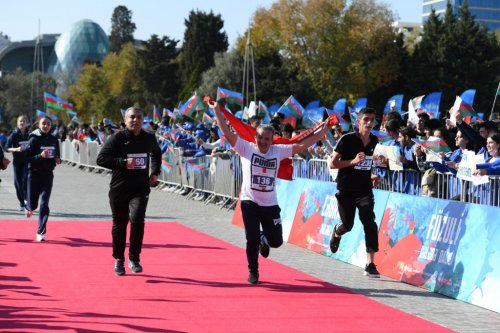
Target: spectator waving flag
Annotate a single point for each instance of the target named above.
(156, 115)
(292, 108)
(262, 110)
(231, 97)
(382, 136)
(165, 163)
(147, 124)
(344, 125)
(170, 114)
(56, 103)
(193, 104)
(196, 165)
(413, 107)
(207, 119)
(466, 110)
(433, 144)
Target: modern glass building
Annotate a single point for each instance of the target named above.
(85, 42)
(486, 12)
(62, 55)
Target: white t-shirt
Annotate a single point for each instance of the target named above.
(260, 171)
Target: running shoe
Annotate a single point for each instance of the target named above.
(253, 278)
(334, 241)
(371, 270)
(40, 238)
(135, 266)
(119, 267)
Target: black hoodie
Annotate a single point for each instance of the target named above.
(38, 142)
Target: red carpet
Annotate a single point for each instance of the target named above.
(191, 283)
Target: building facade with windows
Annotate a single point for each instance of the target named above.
(486, 12)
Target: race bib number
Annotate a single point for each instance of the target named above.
(366, 164)
(50, 149)
(261, 180)
(23, 145)
(139, 161)
(263, 173)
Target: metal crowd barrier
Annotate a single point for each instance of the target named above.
(221, 176)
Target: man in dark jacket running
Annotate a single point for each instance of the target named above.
(130, 154)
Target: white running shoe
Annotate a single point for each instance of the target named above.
(40, 238)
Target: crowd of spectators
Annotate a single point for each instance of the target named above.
(195, 140)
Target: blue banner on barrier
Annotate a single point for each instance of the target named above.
(288, 199)
(316, 215)
(445, 246)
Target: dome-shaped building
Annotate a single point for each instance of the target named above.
(85, 42)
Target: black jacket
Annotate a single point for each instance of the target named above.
(38, 142)
(15, 139)
(123, 145)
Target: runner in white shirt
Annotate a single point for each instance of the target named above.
(259, 204)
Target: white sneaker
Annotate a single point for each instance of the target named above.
(40, 238)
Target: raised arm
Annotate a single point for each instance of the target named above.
(221, 121)
(306, 143)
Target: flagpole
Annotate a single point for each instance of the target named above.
(494, 101)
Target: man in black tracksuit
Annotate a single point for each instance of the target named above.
(17, 144)
(127, 154)
(353, 156)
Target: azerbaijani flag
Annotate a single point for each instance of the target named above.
(165, 165)
(231, 97)
(39, 114)
(170, 114)
(193, 104)
(147, 124)
(465, 109)
(292, 108)
(207, 119)
(382, 136)
(436, 145)
(56, 103)
(193, 164)
(344, 125)
(156, 115)
(262, 109)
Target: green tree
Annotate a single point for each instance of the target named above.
(17, 93)
(158, 70)
(226, 73)
(337, 48)
(122, 28)
(104, 90)
(456, 53)
(91, 93)
(203, 37)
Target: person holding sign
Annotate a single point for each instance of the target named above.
(353, 156)
(260, 161)
(130, 154)
(492, 165)
(42, 155)
(17, 144)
